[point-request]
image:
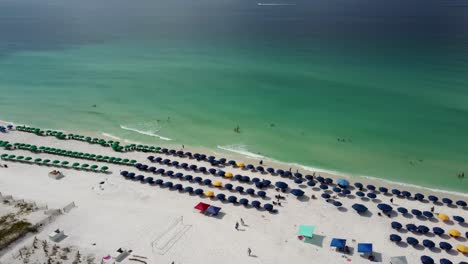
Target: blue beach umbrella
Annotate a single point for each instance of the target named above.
(198, 192)
(188, 177)
(202, 169)
(175, 163)
(266, 183)
(309, 177)
(157, 159)
(255, 180)
(323, 186)
(328, 181)
(343, 183)
(426, 260)
(221, 196)
(268, 207)
(396, 225)
(325, 196)
(406, 194)
(411, 227)
(416, 212)
(459, 219)
(298, 175)
(298, 181)
(237, 177)
(169, 173)
(207, 182)
(358, 185)
(383, 190)
(178, 175)
(249, 167)
(198, 179)
(311, 183)
(423, 229)
(287, 174)
(193, 167)
(297, 192)
(359, 208)
(270, 170)
(447, 201)
(337, 189)
(461, 203)
(445, 261)
(245, 179)
(384, 207)
(232, 199)
(428, 214)
(261, 194)
(445, 246)
(244, 201)
(360, 194)
(281, 185)
(432, 198)
(124, 173)
(158, 182)
(239, 189)
(402, 210)
(346, 192)
(256, 204)
(371, 187)
(259, 185)
(395, 238)
(232, 162)
(184, 165)
(438, 231)
(168, 184)
(178, 187)
(419, 196)
(320, 179)
(337, 204)
(280, 172)
(228, 186)
(371, 195)
(152, 169)
(396, 192)
(412, 241)
(250, 191)
(212, 171)
(428, 243)
(139, 178)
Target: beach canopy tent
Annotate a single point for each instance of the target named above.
(338, 243)
(359, 208)
(343, 183)
(445, 246)
(398, 260)
(443, 217)
(426, 260)
(212, 210)
(306, 231)
(202, 206)
(364, 248)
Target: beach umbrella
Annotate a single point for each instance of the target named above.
(320, 179)
(360, 194)
(217, 184)
(395, 238)
(383, 190)
(188, 177)
(212, 171)
(298, 175)
(287, 174)
(46, 161)
(244, 201)
(337, 189)
(412, 241)
(346, 192)
(342, 183)
(281, 185)
(250, 191)
(169, 173)
(256, 204)
(463, 249)
(237, 177)
(207, 182)
(396, 192)
(37, 160)
(240, 164)
(259, 185)
(445, 246)
(280, 172)
(384, 207)
(416, 212)
(189, 189)
(270, 170)
(249, 167)
(139, 178)
(428, 214)
(426, 260)
(232, 162)
(359, 208)
(461, 203)
(4, 156)
(245, 179)
(328, 181)
(445, 261)
(211, 158)
(396, 225)
(432, 198)
(225, 174)
(266, 183)
(193, 167)
(178, 175)
(297, 192)
(152, 169)
(209, 194)
(358, 185)
(228, 186)
(175, 163)
(309, 177)
(443, 217)
(197, 179)
(402, 210)
(239, 189)
(438, 231)
(268, 207)
(447, 201)
(371, 187)
(323, 186)
(337, 204)
(459, 219)
(198, 191)
(423, 229)
(371, 195)
(454, 233)
(311, 183)
(255, 180)
(428, 243)
(260, 168)
(325, 196)
(202, 169)
(406, 194)
(261, 194)
(93, 167)
(22, 157)
(149, 180)
(221, 196)
(419, 196)
(298, 181)
(27, 158)
(411, 227)
(12, 156)
(150, 158)
(232, 199)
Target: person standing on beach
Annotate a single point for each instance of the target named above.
(249, 251)
(237, 226)
(242, 222)
(391, 200)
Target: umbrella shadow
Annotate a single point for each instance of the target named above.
(445, 236)
(409, 216)
(317, 240)
(219, 216)
(461, 239)
(352, 197)
(403, 231)
(452, 252)
(253, 256)
(464, 225)
(367, 214)
(433, 220)
(304, 198)
(403, 244)
(452, 206)
(436, 250)
(438, 203)
(342, 209)
(418, 247)
(449, 222)
(376, 200)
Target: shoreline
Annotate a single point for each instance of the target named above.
(253, 158)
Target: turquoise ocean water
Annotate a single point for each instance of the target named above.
(392, 84)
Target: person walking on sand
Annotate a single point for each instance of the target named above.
(391, 200)
(249, 251)
(237, 226)
(242, 222)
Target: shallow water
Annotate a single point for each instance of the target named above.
(390, 79)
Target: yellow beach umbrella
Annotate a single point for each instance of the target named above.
(240, 164)
(209, 193)
(462, 248)
(454, 232)
(217, 184)
(443, 217)
(228, 175)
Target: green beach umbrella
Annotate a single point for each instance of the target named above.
(56, 162)
(11, 156)
(88, 139)
(37, 160)
(4, 156)
(133, 161)
(20, 157)
(76, 164)
(104, 168)
(46, 161)
(84, 166)
(125, 160)
(94, 167)
(27, 158)
(105, 157)
(64, 163)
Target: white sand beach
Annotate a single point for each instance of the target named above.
(162, 226)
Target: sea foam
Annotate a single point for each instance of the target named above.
(146, 133)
